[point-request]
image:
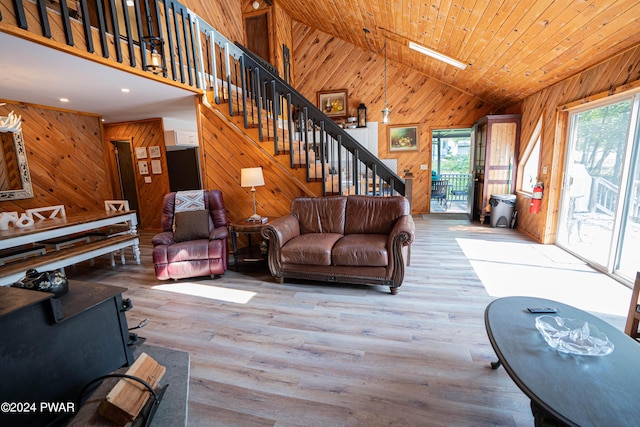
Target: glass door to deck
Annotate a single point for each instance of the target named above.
(450, 178)
(599, 216)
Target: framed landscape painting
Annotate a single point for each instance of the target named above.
(333, 102)
(403, 138)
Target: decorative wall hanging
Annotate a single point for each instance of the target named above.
(403, 138)
(333, 103)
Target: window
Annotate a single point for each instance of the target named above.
(528, 169)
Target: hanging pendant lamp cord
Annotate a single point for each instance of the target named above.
(385, 73)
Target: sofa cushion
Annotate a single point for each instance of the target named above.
(191, 225)
(376, 215)
(364, 250)
(320, 214)
(311, 248)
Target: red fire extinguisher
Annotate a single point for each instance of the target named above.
(536, 198)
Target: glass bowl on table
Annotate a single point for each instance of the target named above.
(573, 336)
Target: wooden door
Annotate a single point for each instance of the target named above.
(501, 158)
(497, 141)
(126, 174)
(257, 35)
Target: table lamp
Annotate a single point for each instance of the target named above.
(252, 177)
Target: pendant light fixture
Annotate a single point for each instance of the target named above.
(385, 112)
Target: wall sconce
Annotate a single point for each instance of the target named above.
(252, 177)
(154, 44)
(362, 116)
(155, 63)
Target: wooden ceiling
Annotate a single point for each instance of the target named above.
(514, 48)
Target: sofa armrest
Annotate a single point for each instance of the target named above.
(283, 229)
(164, 238)
(399, 242)
(278, 232)
(404, 229)
(219, 233)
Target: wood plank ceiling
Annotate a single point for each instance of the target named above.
(514, 48)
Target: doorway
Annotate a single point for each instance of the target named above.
(450, 166)
(183, 167)
(126, 174)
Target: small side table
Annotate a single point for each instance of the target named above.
(252, 253)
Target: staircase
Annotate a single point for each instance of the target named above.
(298, 134)
(188, 51)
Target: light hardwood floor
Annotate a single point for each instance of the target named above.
(317, 354)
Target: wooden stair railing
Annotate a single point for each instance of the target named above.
(195, 54)
(295, 126)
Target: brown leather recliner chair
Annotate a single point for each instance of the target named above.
(187, 248)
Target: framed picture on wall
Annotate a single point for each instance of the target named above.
(333, 103)
(154, 152)
(403, 138)
(141, 153)
(143, 167)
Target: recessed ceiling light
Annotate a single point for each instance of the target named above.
(125, 90)
(64, 99)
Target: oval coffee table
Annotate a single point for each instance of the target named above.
(566, 389)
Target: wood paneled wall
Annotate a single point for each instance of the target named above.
(226, 151)
(620, 70)
(283, 36)
(142, 134)
(67, 161)
(323, 62)
(223, 15)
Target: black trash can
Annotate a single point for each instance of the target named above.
(502, 209)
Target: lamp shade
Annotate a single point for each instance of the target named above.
(251, 177)
(385, 115)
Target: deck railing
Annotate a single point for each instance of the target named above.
(459, 185)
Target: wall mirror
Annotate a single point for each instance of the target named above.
(15, 180)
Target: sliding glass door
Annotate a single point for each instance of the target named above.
(629, 261)
(598, 216)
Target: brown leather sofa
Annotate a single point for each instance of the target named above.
(199, 247)
(344, 239)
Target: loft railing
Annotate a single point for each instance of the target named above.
(165, 38)
(147, 35)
